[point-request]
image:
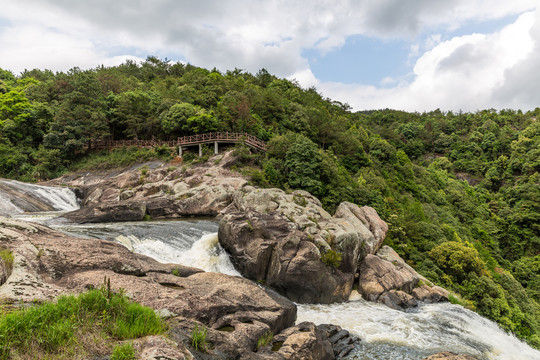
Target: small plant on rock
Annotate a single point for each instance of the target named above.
(265, 339)
(332, 258)
(198, 339)
(123, 352)
(7, 256)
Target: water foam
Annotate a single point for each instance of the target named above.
(392, 334)
(205, 254)
(58, 198)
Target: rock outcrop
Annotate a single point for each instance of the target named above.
(282, 240)
(387, 279)
(285, 241)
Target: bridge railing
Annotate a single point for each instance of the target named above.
(185, 141)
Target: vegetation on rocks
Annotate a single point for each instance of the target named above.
(76, 326)
(444, 181)
(198, 338)
(7, 257)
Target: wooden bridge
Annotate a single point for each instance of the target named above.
(185, 141)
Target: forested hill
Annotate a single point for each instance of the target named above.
(459, 190)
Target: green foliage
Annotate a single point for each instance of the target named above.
(115, 158)
(457, 260)
(55, 327)
(332, 258)
(265, 339)
(7, 257)
(198, 338)
(123, 352)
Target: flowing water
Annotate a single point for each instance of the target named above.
(386, 334)
(187, 242)
(397, 335)
(17, 197)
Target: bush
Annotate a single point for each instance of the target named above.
(332, 258)
(457, 260)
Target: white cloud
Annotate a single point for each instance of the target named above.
(60, 34)
(469, 72)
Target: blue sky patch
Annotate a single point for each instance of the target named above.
(362, 60)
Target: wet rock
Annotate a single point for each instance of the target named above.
(447, 355)
(387, 279)
(341, 340)
(304, 341)
(108, 212)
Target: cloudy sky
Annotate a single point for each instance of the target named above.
(415, 55)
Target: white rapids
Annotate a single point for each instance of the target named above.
(389, 334)
(17, 197)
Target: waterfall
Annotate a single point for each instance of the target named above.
(17, 197)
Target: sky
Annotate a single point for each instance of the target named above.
(413, 55)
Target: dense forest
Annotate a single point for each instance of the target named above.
(460, 191)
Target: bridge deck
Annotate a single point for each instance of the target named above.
(220, 137)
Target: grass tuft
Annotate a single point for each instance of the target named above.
(54, 328)
(265, 339)
(123, 352)
(198, 339)
(7, 256)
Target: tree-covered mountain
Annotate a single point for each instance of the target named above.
(460, 191)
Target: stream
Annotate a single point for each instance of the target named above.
(386, 334)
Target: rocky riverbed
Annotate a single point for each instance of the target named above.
(286, 243)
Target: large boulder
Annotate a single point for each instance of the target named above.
(268, 249)
(388, 279)
(289, 242)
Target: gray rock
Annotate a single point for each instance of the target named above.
(447, 355)
(269, 249)
(387, 279)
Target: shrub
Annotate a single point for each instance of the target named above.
(457, 260)
(332, 258)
